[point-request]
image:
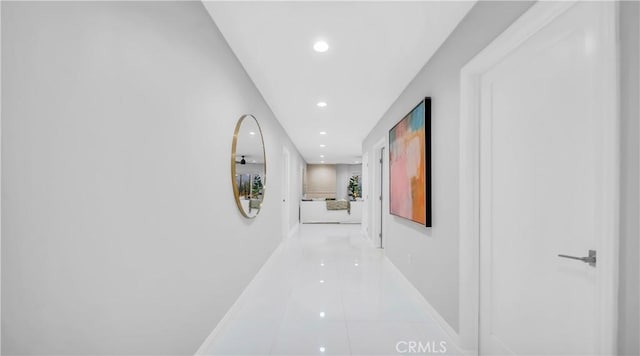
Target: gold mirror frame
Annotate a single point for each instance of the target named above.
(236, 190)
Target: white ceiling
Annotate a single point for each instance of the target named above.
(376, 49)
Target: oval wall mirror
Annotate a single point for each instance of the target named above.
(248, 166)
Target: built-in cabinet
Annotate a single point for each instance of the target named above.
(316, 212)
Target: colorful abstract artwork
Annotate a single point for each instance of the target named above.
(410, 165)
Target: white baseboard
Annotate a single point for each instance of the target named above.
(294, 230)
(444, 325)
(369, 239)
(235, 306)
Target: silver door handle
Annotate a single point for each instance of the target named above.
(591, 259)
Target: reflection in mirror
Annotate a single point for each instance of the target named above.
(248, 166)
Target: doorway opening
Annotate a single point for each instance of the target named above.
(378, 194)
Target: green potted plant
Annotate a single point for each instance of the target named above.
(354, 187)
(256, 189)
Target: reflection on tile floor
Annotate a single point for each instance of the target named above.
(327, 291)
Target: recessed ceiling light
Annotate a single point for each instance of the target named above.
(322, 349)
(252, 133)
(321, 156)
(357, 161)
(323, 145)
(322, 314)
(322, 104)
(321, 161)
(323, 132)
(254, 161)
(320, 46)
(322, 281)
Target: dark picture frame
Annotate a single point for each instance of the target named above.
(410, 165)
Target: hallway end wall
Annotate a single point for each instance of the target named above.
(428, 257)
(120, 232)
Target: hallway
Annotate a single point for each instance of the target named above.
(327, 290)
(214, 177)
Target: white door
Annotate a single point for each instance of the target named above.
(548, 187)
(285, 192)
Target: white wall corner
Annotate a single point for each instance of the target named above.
(442, 323)
(235, 307)
(294, 230)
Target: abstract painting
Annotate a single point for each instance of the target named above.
(410, 165)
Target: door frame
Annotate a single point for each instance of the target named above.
(286, 191)
(534, 20)
(377, 214)
(0, 173)
(365, 194)
(638, 133)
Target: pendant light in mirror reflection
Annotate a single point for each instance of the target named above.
(248, 166)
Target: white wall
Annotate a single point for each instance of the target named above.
(329, 180)
(120, 233)
(320, 181)
(429, 257)
(343, 173)
(250, 168)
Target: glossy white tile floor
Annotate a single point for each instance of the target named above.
(327, 291)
